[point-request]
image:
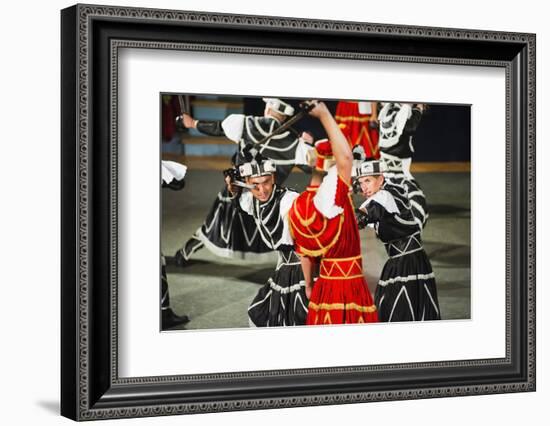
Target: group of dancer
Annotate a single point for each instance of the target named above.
(318, 278)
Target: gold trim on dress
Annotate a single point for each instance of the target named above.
(323, 249)
(355, 265)
(306, 222)
(353, 118)
(338, 259)
(374, 148)
(310, 235)
(341, 307)
(344, 277)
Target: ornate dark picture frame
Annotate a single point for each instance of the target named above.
(91, 37)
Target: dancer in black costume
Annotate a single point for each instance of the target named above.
(226, 231)
(406, 290)
(397, 124)
(282, 300)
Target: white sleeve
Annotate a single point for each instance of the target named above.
(385, 199)
(284, 208)
(325, 198)
(302, 149)
(246, 202)
(171, 170)
(233, 127)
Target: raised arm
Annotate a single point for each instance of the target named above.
(340, 146)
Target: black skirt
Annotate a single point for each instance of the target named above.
(282, 300)
(406, 290)
(228, 231)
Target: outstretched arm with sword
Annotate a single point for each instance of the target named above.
(216, 128)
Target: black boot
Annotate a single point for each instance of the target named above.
(170, 319)
(179, 259)
(183, 255)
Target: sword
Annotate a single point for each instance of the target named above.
(183, 104)
(304, 109)
(233, 174)
(183, 108)
(243, 185)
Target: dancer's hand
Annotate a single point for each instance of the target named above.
(231, 188)
(188, 121)
(319, 109)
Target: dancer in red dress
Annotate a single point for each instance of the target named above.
(325, 232)
(358, 122)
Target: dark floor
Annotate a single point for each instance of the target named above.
(215, 292)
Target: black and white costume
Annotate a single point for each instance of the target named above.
(398, 122)
(282, 300)
(285, 150)
(406, 290)
(226, 231)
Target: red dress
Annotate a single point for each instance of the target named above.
(326, 229)
(356, 128)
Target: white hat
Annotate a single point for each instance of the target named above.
(279, 106)
(255, 169)
(369, 168)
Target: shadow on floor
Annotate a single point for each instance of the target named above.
(447, 255)
(448, 209)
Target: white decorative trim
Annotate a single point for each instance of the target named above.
(398, 124)
(406, 279)
(406, 253)
(196, 247)
(406, 164)
(249, 131)
(406, 222)
(283, 162)
(431, 298)
(299, 298)
(281, 149)
(253, 237)
(402, 291)
(267, 296)
(233, 254)
(415, 193)
(286, 290)
(418, 207)
(226, 199)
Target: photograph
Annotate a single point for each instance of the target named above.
(279, 212)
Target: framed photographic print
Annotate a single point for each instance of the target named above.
(263, 212)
